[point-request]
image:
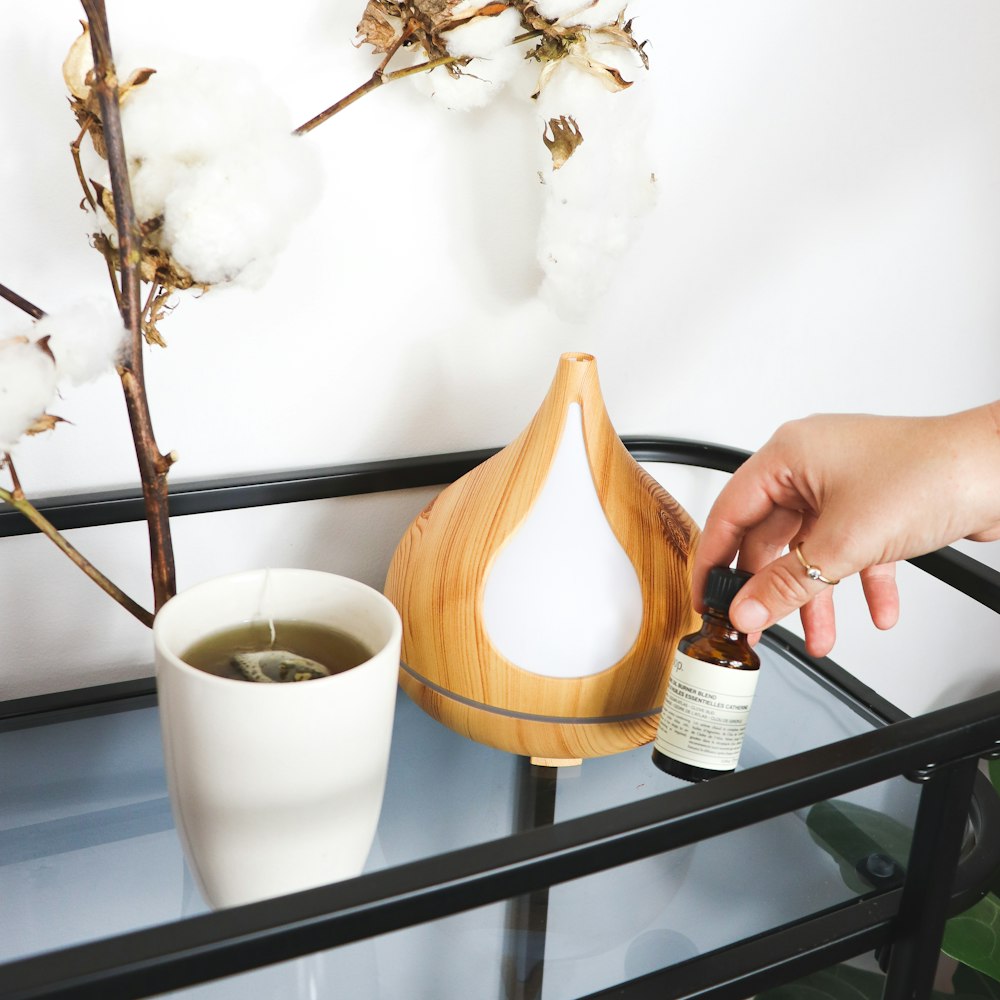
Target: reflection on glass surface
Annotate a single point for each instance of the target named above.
(84, 817)
(88, 849)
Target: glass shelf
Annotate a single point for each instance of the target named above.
(489, 876)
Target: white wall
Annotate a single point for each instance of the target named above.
(826, 237)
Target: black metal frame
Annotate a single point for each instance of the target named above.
(940, 749)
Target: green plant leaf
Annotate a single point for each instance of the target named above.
(973, 937)
(851, 833)
(969, 982)
(842, 982)
(993, 767)
(993, 770)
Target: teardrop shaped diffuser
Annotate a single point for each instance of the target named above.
(544, 592)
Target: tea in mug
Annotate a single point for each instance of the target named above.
(277, 652)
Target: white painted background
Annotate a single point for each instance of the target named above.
(826, 237)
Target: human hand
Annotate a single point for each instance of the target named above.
(857, 493)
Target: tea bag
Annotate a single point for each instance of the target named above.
(278, 666)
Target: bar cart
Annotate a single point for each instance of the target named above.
(492, 877)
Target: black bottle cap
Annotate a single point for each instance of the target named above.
(722, 586)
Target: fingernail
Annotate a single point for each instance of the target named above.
(749, 615)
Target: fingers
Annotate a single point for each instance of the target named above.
(742, 509)
(719, 544)
(776, 591)
(783, 586)
(842, 484)
(766, 541)
(819, 623)
(881, 593)
(769, 503)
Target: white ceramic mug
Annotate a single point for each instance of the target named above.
(276, 787)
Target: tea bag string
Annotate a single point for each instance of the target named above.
(264, 604)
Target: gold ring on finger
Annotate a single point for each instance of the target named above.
(813, 572)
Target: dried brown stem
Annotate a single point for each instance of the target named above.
(22, 303)
(404, 36)
(377, 80)
(74, 148)
(9, 463)
(113, 278)
(380, 77)
(154, 310)
(20, 503)
(92, 202)
(23, 506)
(153, 465)
(147, 308)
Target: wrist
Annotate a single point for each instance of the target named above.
(975, 437)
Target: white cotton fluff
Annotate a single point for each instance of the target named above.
(211, 149)
(581, 13)
(86, 339)
(27, 387)
(466, 8)
(483, 37)
(480, 81)
(596, 202)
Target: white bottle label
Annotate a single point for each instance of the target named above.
(705, 713)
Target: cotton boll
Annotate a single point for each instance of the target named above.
(225, 221)
(455, 93)
(191, 110)
(581, 13)
(483, 37)
(480, 81)
(596, 202)
(27, 387)
(552, 10)
(85, 339)
(152, 180)
(607, 117)
(466, 8)
(583, 234)
(211, 150)
(579, 84)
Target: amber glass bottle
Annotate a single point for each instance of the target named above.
(711, 687)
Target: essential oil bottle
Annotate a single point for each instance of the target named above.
(711, 687)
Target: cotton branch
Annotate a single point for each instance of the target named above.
(16, 499)
(22, 303)
(153, 465)
(19, 503)
(378, 79)
(74, 148)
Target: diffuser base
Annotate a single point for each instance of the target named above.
(550, 739)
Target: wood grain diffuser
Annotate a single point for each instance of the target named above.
(543, 593)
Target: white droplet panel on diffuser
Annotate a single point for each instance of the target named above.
(562, 598)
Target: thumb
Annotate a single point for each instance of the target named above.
(778, 589)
